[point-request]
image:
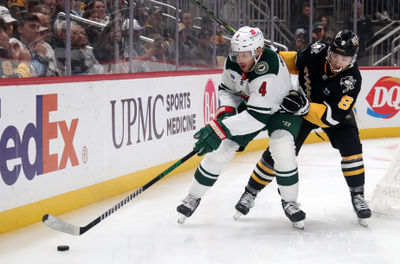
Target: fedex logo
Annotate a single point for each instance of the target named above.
(14, 146)
(384, 98)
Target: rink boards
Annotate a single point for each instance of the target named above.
(70, 141)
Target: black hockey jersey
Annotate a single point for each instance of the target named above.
(10, 68)
(332, 95)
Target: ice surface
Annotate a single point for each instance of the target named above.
(146, 229)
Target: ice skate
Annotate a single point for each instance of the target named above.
(361, 208)
(245, 203)
(187, 208)
(293, 212)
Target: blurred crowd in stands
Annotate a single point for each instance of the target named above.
(34, 39)
(324, 27)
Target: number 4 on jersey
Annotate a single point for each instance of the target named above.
(263, 89)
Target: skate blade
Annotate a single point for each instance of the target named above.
(363, 222)
(181, 219)
(237, 215)
(298, 225)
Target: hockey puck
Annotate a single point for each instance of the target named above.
(62, 248)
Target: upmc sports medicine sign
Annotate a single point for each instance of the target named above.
(384, 98)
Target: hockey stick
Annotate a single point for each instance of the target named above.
(225, 25)
(60, 225)
(213, 16)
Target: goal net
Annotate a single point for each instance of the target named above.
(386, 196)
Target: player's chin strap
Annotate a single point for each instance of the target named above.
(255, 61)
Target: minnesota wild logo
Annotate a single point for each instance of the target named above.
(261, 67)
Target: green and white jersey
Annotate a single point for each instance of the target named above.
(263, 89)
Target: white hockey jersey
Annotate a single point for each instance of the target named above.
(263, 89)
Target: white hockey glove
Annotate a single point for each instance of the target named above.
(295, 103)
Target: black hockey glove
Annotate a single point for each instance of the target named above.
(294, 102)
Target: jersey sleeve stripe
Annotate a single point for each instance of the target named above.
(262, 110)
(261, 117)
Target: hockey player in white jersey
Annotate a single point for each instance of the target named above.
(255, 81)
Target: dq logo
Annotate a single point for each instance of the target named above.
(14, 146)
(384, 98)
(210, 102)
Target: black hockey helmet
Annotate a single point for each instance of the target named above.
(345, 43)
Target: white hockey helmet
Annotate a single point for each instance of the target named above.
(247, 39)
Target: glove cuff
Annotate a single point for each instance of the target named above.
(218, 130)
(223, 111)
(304, 110)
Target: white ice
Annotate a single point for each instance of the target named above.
(146, 229)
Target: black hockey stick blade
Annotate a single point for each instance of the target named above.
(63, 226)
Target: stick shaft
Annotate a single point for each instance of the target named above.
(61, 225)
(228, 27)
(213, 16)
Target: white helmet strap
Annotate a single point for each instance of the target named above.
(256, 58)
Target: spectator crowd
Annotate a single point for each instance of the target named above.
(325, 26)
(33, 37)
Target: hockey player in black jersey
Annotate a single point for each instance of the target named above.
(329, 76)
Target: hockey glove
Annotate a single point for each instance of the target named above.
(295, 103)
(224, 112)
(209, 137)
